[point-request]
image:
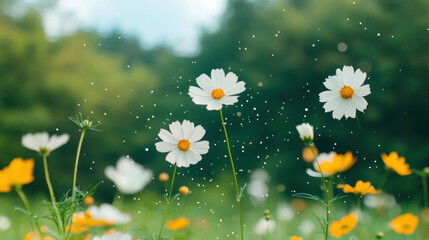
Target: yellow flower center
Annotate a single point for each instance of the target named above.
(184, 145)
(217, 93)
(346, 92)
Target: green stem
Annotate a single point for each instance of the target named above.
(74, 179)
(358, 123)
(168, 202)
(326, 230)
(359, 204)
(51, 192)
(425, 191)
(235, 175)
(383, 179)
(24, 199)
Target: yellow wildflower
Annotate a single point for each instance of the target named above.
(295, 238)
(344, 226)
(178, 224)
(32, 235)
(405, 224)
(396, 163)
(361, 188)
(19, 172)
(339, 163)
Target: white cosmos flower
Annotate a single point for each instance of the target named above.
(285, 212)
(129, 177)
(108, 213)
(322, 157)
(217, 90)
(183, 143)
(4, 223)
(114, 236)
(345, 93)
(305, 131)
(42, 143)
(263, 225)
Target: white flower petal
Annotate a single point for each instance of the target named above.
(57, 141)
(214, 105)
(339, 110)
(333, 83)
(166, 136)
(218, 75)
(358, 79)
(331, 104)
(165, 146)
(196, 134)
(229, 82)
(202, 100)
(350, 109)
(229, 100)
(200, 147)
(348, 75)
(360, 103)
(187, 128)
(236, 89)
(198, 92)
(176, 130)
(363, 91)
(328, 95)
(205, 83)
(172, 156)
(32, 142)
(193, 157)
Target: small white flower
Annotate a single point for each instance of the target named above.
(42, 143)
(129, 177)
(306, 227)
(345, 93)
(258, 187)
(217, 90)
(4, 223)
(305, 131)
(183, 143)
(285, 212)
(108, 213)
(114, 236)
(263, 225)
(322, 157)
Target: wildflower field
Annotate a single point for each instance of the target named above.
(288, 122)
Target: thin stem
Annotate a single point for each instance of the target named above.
(51, 192)
(325, 231)
(235, 175)
(425, 191)
(358, 123)
(74, 178)
(359, 204)
(383, 179)
(27, 206)
(168, 202)
(77, 162)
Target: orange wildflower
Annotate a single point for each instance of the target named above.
(344, 226)
(295, 238)
(405, 224)
(32, 235)
(88, 200)
(361, 188)
(83, 222)
(184, 190)
(178, 224)
(339, 163)
(396, 163)
(19, 172)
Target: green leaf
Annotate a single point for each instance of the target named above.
(309, 196)
(338, 197)
(175, 196)
(242, 190)
(322, 223)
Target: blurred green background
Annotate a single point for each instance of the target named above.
(283, 50)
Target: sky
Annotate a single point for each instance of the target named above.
(176, 23)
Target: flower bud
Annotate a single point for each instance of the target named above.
(309, 153)
(426, 170)
(88, 201)
(86, 123)
(184, 190)
(305, 131)
(266, 212)
(163, 177)
(380, 235)
(267, 217)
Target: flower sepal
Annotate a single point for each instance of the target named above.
(86, 123)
